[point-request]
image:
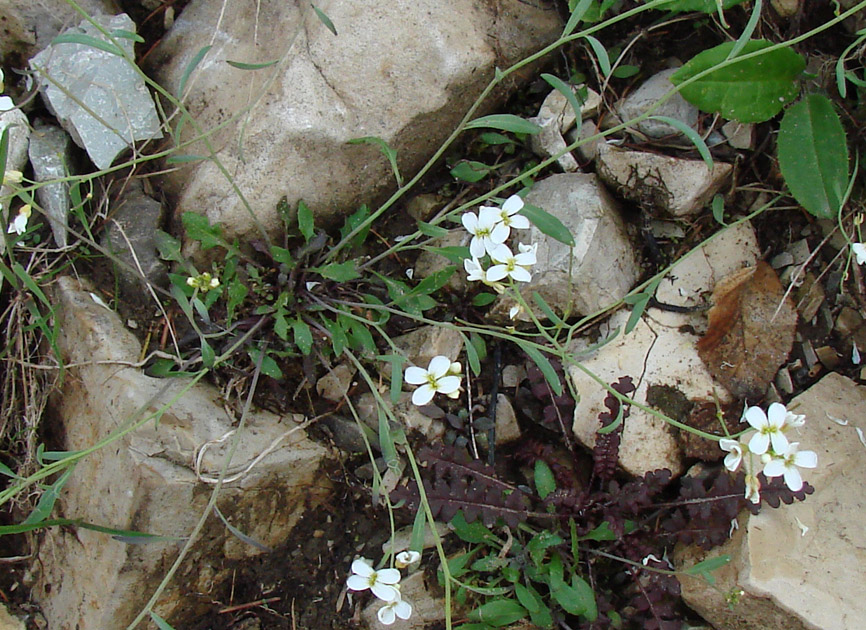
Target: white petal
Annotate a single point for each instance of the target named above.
(793, 479)
(775, 468)
(756, 417)
(6, 104)
(501, 253)
(403, 609)
(358, 583)
(385, 592)
(488, 217)
(780, 442)
(519, 222)
(476, 247)
(513, 205)
(759, 443)
(439, 366)
(386, 615)
(415, 375)
(514, 311)
(520, 274)
(526, 259)
(405, 558)
(496, 273)
(859, 250)
(388, 576)
(806, 459)
(423, 395)
(362, 567)
(448, 385)
(500, 233)
(470, 222)
(776, 415)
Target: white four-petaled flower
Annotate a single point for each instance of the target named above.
(509, 265)
(389, 612)
(384, 582)
(508, 213)
(405, 558)
(735, 453)
(859, 251)
(487, 230)
(769, 428)
(441, 376)
(787, 462)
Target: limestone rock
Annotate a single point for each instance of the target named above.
(424, 343)
(648, 95)
(604, 265)
(404, 71)
(427, 609)
(675, 185)
(145, 480)
(795, 578)
(15, 121)
(78, 81)
(51, 159)
(556, 117)
(28, 27)
(653, 354)
(507, 428)
(8, 621)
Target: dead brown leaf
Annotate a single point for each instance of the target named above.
(751, 330)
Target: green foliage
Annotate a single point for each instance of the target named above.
(704, 6)
(748, 90)
(813, 155)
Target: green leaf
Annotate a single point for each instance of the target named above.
(474, 532)
(353, 221)
(565, 89)
(360, 336)
(191, 66)
(386, 441)
(281, 325)
(303, 336)
(416, 541)
(747, 90)
(498, 613)
(813, 156)
(492, 138)
(543, 364)
(388, 152)
(269, 366)
(282, 255)
(240, 65)
(208, 356)
(4, 150)
(161, 623)
(638, 307)
(198, 228)
(746, 35)
(431, 230)
(693, 136)
(546, 310)
(455, 254)
(483, 299)
(719, 209)
(46, 502)
(168, 246)
(338, 334)
(625, 71)
(306, 221)
(601, 533)
(586, 596)
(5, 470)
(341, 272)
(324, 19)
(124, 34)
(545, 482)
(504, 122)
(185, 159)
(575, 17)
(710, 564)
(547, 224)
(600, 54)
(470, 171)
(572, 600)
(704, 6)
(539, 544)
(87, 40)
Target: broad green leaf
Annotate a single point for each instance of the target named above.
(269, 366)
(586, 595)
(575, 17)
(813, 155)
(625, 71)
(87, 40)
(341, 272)
(704, 6)
(540, 543)
(435, 281)
(483, 299)
(338, 334)
(352, 222)
(719, 209)
(240, 65)
(281, 325)
(545, 482)
(600, 54)
(504, 122)
(565, 89)
(306, 221)
(498, 613)
(360, 336)
(572, 600)
(543, 364)
(747, 90)
(547, 224)
(282, 255)
(5, 470)
(189, 69)
(324, 19)
(303, 336)
(455, 254)
(492, 138)
(198, 228)
(693, 136)
(388, 152)
(208, 356)
(431, 230)
(474, 532)
(470, 171)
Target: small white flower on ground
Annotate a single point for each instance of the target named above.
(438, 377)
(510, 265)
(475, 271)
(753, 489)
(384, 583)
(6, 104)
(204, 282)
(735, 453)
(508, 213)
(389, 612)
(804, 529)
(793, 420)
(405, 558)
(769, 428)
(486, 229)
(859, 251)
(787, 463)
(19, 223)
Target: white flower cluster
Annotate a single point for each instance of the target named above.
(490, 228)
(769, 443)
(385, 584)
(441, 376)
(204, 282)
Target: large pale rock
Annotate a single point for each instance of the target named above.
(647, 95)
(145, 479)
(655, 353)
(97, 96)
(602, 262)
(795, 578)
(405, 71)
(28, 27)
(555, 117)
(675, 185)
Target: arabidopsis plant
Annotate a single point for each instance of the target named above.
(769, 428)
(441, 376)
(786, 463)
(204, 282)
(512, 266)
(388, 613)
(384, 583)
(508, 213)
(487, 230)
(19, 224)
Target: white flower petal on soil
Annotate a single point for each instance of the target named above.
(388, 613)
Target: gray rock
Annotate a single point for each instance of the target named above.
(507, 428)
(603, 263)
(404, 72)
(132, 229)
(427, 342)
(145, 479)
(51, 159)
(115, 107)
(648, 95)
(799, 566)
(674, 185)
(28, 27)
(555, 118)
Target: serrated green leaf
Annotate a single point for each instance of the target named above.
(498, 613)
(340, 272)
(87, 40)
(470, 171)
(324, 19)
(543, 364)
(813, 155)
(504, 122)
(547, 224)
(600, 54)
(240, 65)
(198, 228)
(191, 66)
(303, 336)
(545, 482)
(746, 90)
(387, 151)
